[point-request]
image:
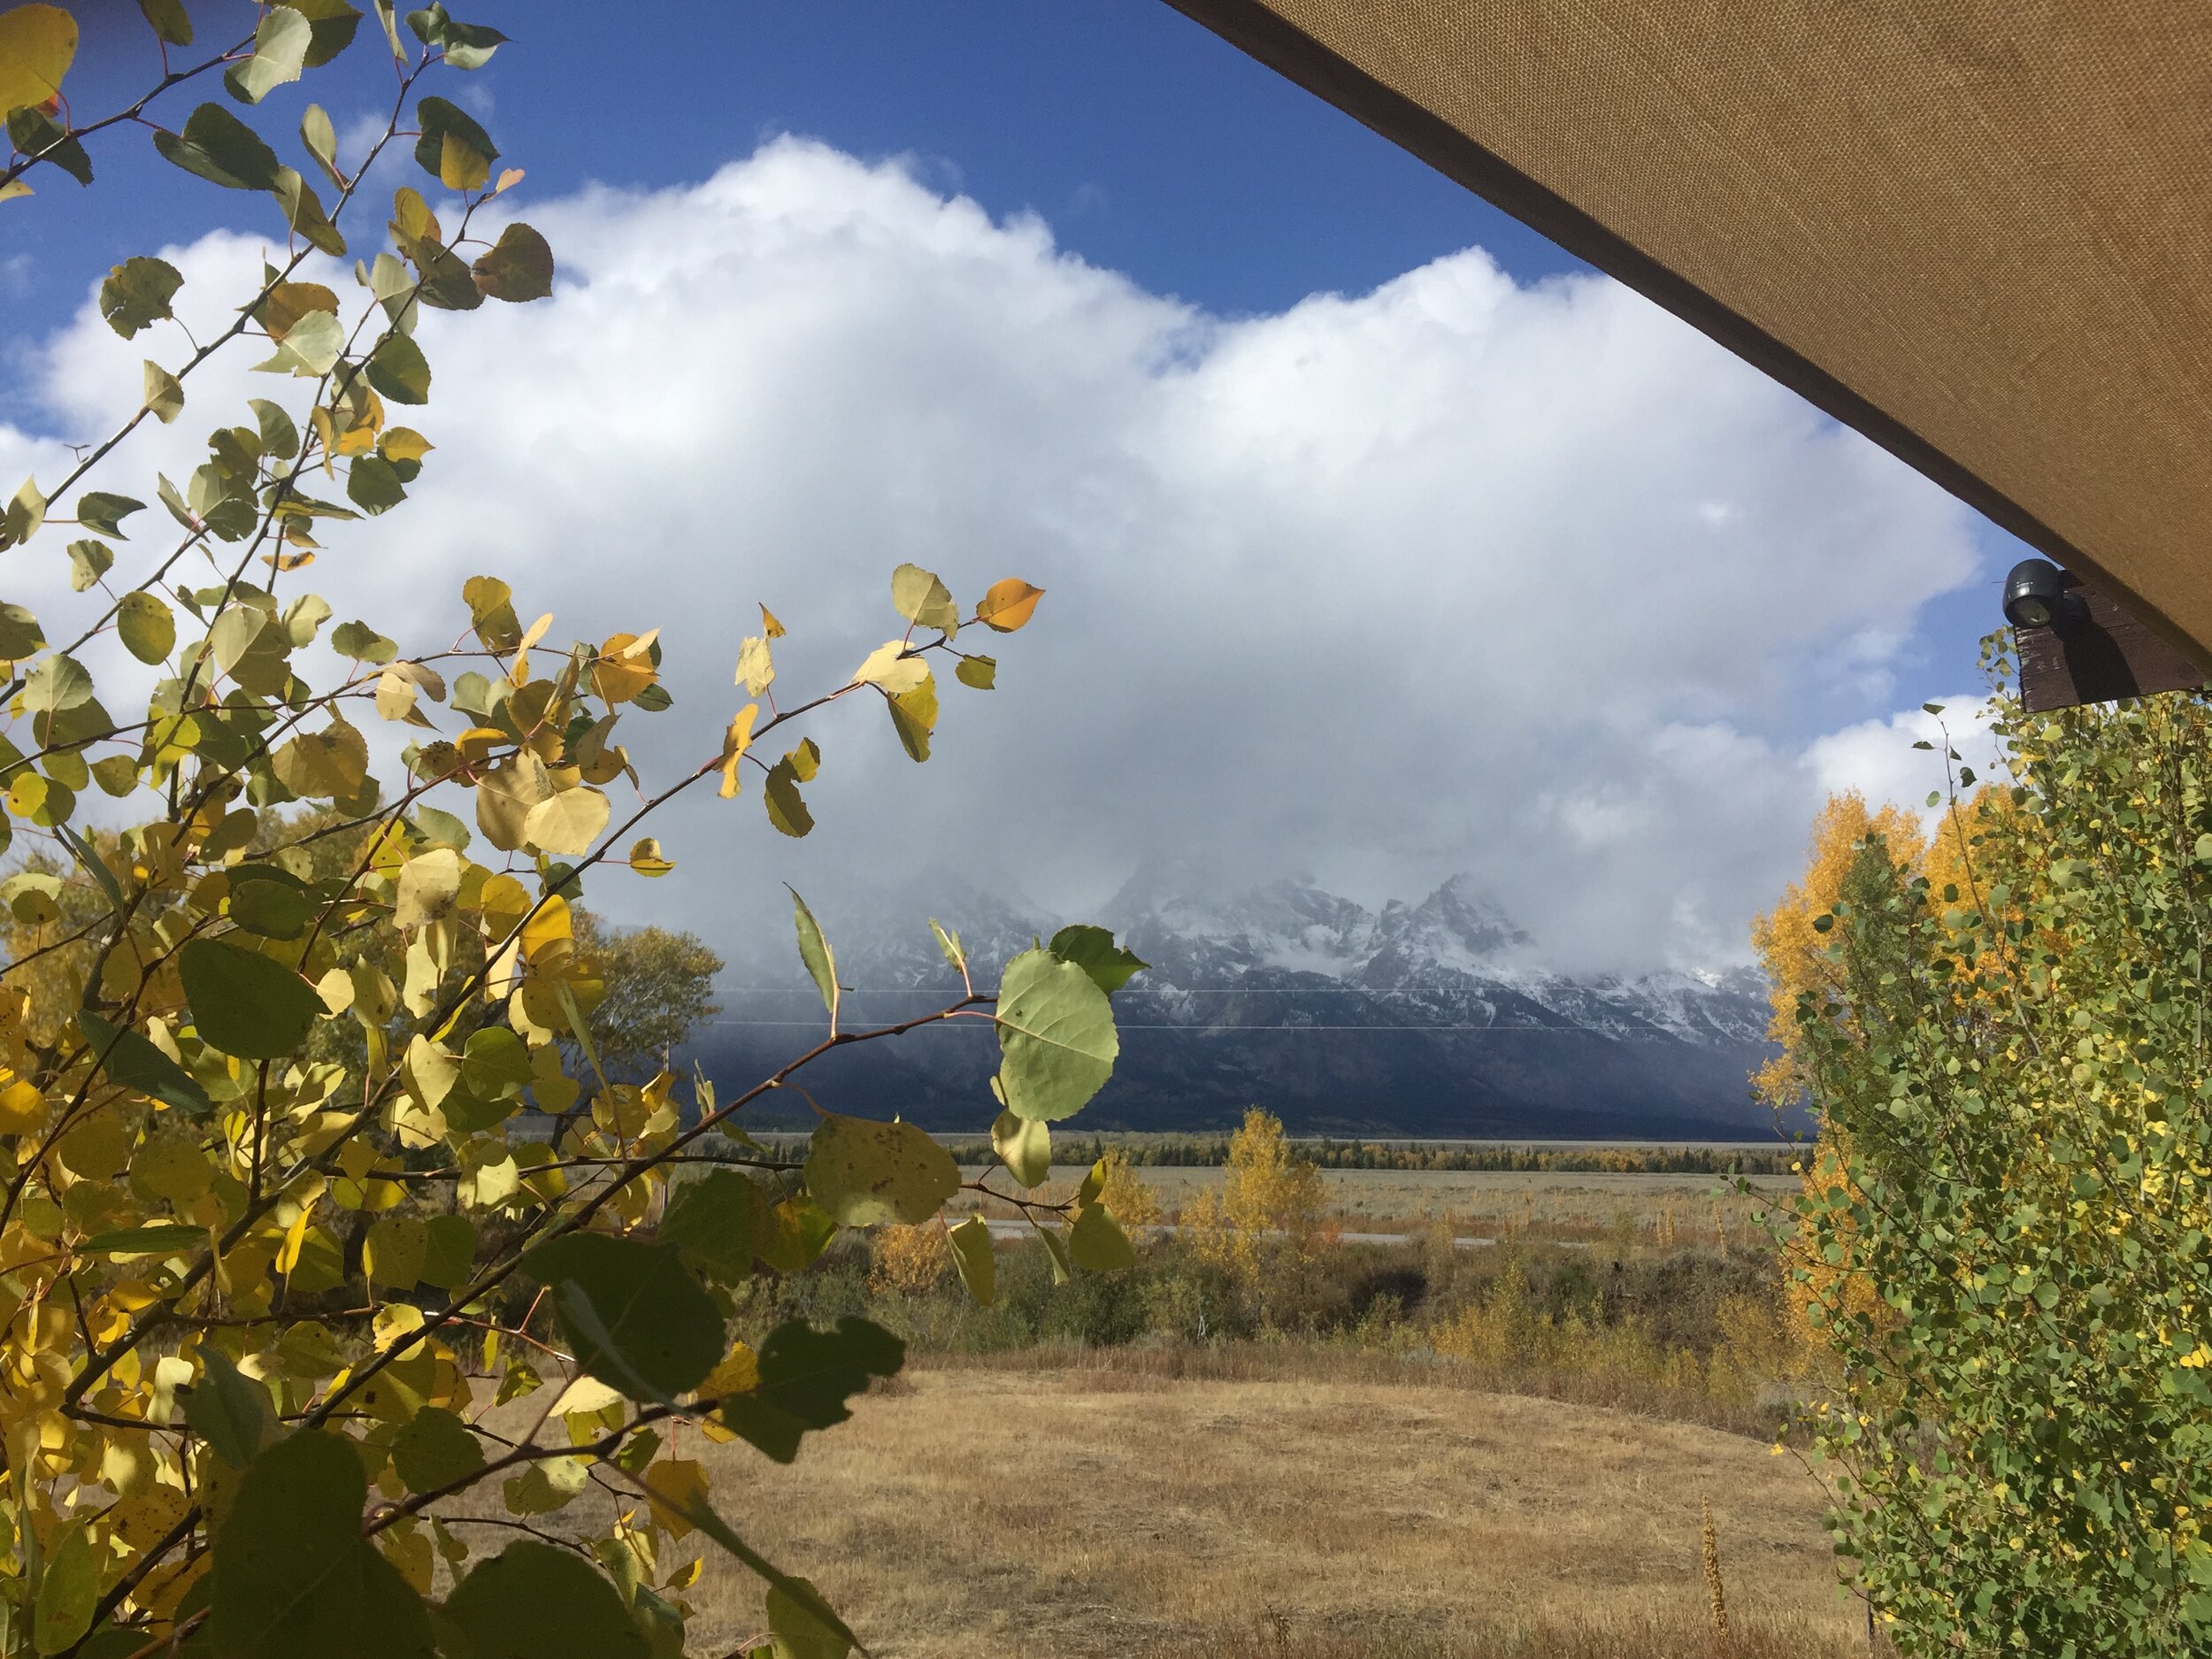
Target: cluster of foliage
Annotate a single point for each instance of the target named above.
(333, 1259)
(2003, 1245)
(1267, 1225)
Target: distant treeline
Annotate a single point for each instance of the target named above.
(1210, 1152)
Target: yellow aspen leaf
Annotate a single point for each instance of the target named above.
(567, 824)
(22, 1108)
(289, 302)
(1007, 604)
(647, 858)
(756, 667)
(890, 667)
(617, 676)
(405, 443)
(914, 717)
(509, 177)
(37, 45)
(551, 925)
(739, 1373)
(735, 742)
(769, 625)
(806, 760)
(461, 166)
(677, 1485)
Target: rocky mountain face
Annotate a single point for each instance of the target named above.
(1432, 1019)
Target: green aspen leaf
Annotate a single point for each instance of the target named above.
(921, 597)
(88, 561)
(310, 346)
(398, 369)
(465, 45)
(270, 908)
(228, 1409)
(1057, 1039)
(437, 119)
(434, 1449)
(280, 52)
(56, 684)
(332, 23)
(518, 268)
(973, 1258)
(24, 515)
(116, 774)
(98, 510)
(20, 635)
(1025, 1146)
(792, 1235)
(891, 667)
(949, 943)
(1096, 1242)
(132, 1060)
(388, 14)
(798, 1627)
(979, 672)
(320, 139)
(495, 1061)
(533, 1600)
(713, 1220)
(864, 1172)
(279, 436)
(304, 212)
(37, 45)
(36, 134)
(787, 810)
(68, 1593)
(1093, 950)
(1056, 1253)
(221, 148)
(914, 717)
(448, 1254)
(164, 393)
(136, 293)
(806, 1377)
(170, 23)
(244, 1004)
(393, 1253)
(291, 1573)
(172, 1238)
(815, 952)
(548, 1485)
(362, 643)
(566, 824)
(660, 1332)
(372, 484)
(146, 625)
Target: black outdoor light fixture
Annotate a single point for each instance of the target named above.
(2038, 594)
(2077, 643)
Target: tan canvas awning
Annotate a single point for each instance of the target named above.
(1976, 230)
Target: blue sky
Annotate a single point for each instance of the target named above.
(1649, 591)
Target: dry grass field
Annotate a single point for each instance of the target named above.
(1095, 1511)
(1498, 1202)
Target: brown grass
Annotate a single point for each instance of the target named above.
(1092, 1511)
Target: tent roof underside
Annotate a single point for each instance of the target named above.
(1977, 232)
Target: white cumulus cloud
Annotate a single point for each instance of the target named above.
(1532, 582)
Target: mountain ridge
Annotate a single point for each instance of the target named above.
(1436, 1018)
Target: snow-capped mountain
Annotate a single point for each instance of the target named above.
(1431, 1019)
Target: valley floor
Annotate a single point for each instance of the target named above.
(1093, 1510)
